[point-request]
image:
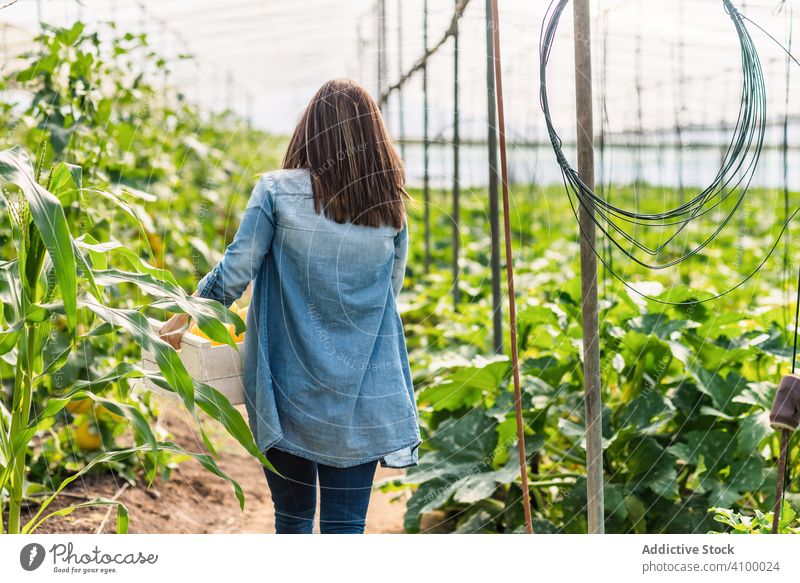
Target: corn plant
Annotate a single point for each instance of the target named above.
(60, 280)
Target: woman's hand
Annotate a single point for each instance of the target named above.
(173, 330)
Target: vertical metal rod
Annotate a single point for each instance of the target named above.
(638, 178)
(426, 187)
(229, 84)
(512, 309)
(456, 171)
(779, 481)
(785, 160)
(360, 44)
(679, 101)
(401, 121)
(591, 339)
(381, 9)
(494, 213)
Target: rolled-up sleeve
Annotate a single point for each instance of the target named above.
(400, 258)
(245, 255)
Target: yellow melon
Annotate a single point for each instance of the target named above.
(88, 437)
(79, 406)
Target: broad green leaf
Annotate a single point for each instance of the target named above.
(48, 214)
(138, 423)
(9, 336)
(65, 181)
(138, 326)
(464, 386)
(209, 314)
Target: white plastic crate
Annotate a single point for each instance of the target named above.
(218, 366)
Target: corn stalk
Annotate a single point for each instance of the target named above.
(57, 278)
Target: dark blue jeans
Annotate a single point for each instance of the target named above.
(344, 495)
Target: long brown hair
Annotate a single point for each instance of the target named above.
(356, 174)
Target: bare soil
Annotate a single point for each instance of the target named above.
(195, 501)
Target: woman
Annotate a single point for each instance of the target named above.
(327, 383)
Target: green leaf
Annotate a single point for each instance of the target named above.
(469, 439)
(747, 475)
(9, 336)
(65, 182)
(429, 496)
(98, 253)
(122, 514)
(218, 407)
(69, 36)
(752, 431)
(82, 390)
(637, 512)
(464, 386)
(138, 326)
(715, 447)
(209, 314)
(48, 214)
(211, 401)
(122, 519)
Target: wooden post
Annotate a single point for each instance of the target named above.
(779, 481)
(591, 336)
(494, 213)
(456, 172)
(426, 188)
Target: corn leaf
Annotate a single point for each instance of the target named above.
(48, 215)
(122, 514)
(138, 326)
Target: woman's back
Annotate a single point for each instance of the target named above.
(326, 373)
(327, 383)
(344, 265)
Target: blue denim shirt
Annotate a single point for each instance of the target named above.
(326, 372)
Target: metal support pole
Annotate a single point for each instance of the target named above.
(381, 45)
(591, 336)
(456, 172)
(494, 213)
(785, 163)
(229, 84)
(679, 105)
(512, 311)
(401, 122)
(361, 44)
(426, 190)
(638, 178)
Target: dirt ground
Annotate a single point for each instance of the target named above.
(195, 501)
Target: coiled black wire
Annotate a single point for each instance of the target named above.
(732, 180)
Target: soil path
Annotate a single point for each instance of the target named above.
(195, 501)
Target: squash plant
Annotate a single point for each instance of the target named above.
(686, 389)
(759, 523)
(59, 280)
